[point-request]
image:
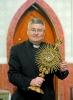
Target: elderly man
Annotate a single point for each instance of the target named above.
(23, 71)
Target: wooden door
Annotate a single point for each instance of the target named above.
(21, 30)
(20, 34)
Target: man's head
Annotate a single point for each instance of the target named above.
(36, 30)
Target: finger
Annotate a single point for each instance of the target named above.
(64, 69)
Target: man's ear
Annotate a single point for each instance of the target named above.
(44, 34)
(27, 32)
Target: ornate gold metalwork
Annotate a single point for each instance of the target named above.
(47, 58)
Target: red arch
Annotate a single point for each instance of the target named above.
(22, 9)
(20, 12)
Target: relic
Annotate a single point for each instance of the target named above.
(48, 59)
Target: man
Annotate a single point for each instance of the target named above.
(23, 72)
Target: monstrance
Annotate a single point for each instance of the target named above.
(48, 59)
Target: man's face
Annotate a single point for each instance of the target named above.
(36, 33)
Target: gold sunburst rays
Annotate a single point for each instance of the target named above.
(48, 57)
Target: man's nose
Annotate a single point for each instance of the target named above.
(36, 32)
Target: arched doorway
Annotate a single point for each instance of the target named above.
(19, 30)
(20, 33)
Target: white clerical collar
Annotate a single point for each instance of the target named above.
(36, 46)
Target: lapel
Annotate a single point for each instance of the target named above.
(29, 51)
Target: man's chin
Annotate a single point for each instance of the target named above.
(37, 42)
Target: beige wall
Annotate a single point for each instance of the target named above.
(62, 8)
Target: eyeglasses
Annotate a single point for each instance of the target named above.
(36, 30)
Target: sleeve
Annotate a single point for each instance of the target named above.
(62, 75)
(14, 73)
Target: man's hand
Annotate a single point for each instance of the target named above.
(63, 66)
(37, 81)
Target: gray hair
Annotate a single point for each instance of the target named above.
(36, 21)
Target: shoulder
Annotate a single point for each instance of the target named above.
(19, 45)
(48, 44)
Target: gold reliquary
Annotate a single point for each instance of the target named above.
(47, 59)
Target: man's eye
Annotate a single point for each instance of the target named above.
(39, 30)
(33, 30)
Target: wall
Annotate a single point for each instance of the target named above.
(63, 9)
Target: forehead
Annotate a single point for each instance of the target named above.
(36, 26)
